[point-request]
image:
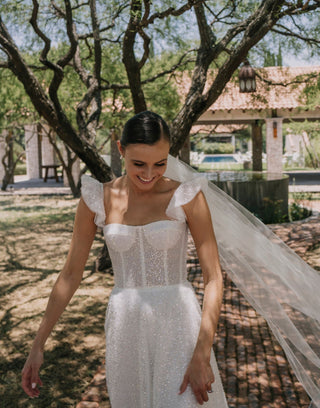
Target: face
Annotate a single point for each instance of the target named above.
(145, 164)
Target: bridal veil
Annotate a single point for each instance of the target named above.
(273, 278)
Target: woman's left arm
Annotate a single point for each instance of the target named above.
(199, 373)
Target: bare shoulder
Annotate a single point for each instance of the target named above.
(169, 185)
(114, 192)
(113, 186)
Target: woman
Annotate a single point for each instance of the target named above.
(158, 345)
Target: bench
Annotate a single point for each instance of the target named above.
(54, 167)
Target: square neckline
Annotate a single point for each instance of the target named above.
(148, 223)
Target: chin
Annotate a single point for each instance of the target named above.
(145, 183)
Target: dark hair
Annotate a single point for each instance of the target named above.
(145, 127)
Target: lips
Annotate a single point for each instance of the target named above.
(145, 181)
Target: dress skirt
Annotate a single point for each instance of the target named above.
(151, 333)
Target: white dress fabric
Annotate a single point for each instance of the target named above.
(153, 316)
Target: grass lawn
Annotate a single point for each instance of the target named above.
(35, 232)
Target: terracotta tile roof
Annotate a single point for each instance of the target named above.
(217, 129)
(266, 96)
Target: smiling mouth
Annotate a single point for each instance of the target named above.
(145, 181)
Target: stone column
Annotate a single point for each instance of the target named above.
(33, 151)
(274, 144)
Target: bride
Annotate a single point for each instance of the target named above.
(158, 342)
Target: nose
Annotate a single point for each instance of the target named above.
(147, 173)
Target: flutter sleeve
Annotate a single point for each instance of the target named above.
(92, 194)
(183, 195)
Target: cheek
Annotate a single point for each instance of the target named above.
(162, 169)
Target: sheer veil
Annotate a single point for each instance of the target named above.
(271, 276)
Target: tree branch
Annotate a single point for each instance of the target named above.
(171, 11)
(72, 35)
(301, 79)
(289, 33)
(129, 59)
(254, 28)
(4, 64)
(45, 107)
(47, 42)
(110, 26)
(219, 17)
(80, 5)
(44, 38)
(59, 11)
(146, 44)
(96, 39)
(299, 8)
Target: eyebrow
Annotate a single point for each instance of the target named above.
(140, 161)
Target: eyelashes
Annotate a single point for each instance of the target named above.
(142, 164)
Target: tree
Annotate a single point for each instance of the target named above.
(15, 111)
(71, 38)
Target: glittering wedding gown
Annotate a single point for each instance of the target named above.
(153, 315)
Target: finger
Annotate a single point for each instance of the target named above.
(204, 396)
(198, 396)
(209, 386)
(34, 381)
(27, 382)
(184, 384)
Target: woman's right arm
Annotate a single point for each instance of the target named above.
(66, 284)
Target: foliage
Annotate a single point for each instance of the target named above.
(312, 151)
(16, 107)
(215, 148)
(296, 212)
(312, 94)
(272, 212)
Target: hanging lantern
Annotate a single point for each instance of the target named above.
(247, 78)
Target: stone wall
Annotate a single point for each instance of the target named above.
(32, 151)
(39, 152)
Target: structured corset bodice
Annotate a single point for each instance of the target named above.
(148, 255)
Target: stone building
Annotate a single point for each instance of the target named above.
(278, 100)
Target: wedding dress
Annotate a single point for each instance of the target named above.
(153, 315)
(147, 353)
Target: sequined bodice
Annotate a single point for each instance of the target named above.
(148, 255)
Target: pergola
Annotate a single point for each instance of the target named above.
(278, 99)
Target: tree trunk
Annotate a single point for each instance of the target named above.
(185, 151)
(116, 165)
(256, 135)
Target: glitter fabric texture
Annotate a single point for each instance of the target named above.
(153, 315)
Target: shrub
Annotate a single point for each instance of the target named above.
(216, 148)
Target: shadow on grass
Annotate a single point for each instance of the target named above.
(23, 208)
(67, 368)
(38, 221)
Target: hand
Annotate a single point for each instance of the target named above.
(200, 377)
(30, 373)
